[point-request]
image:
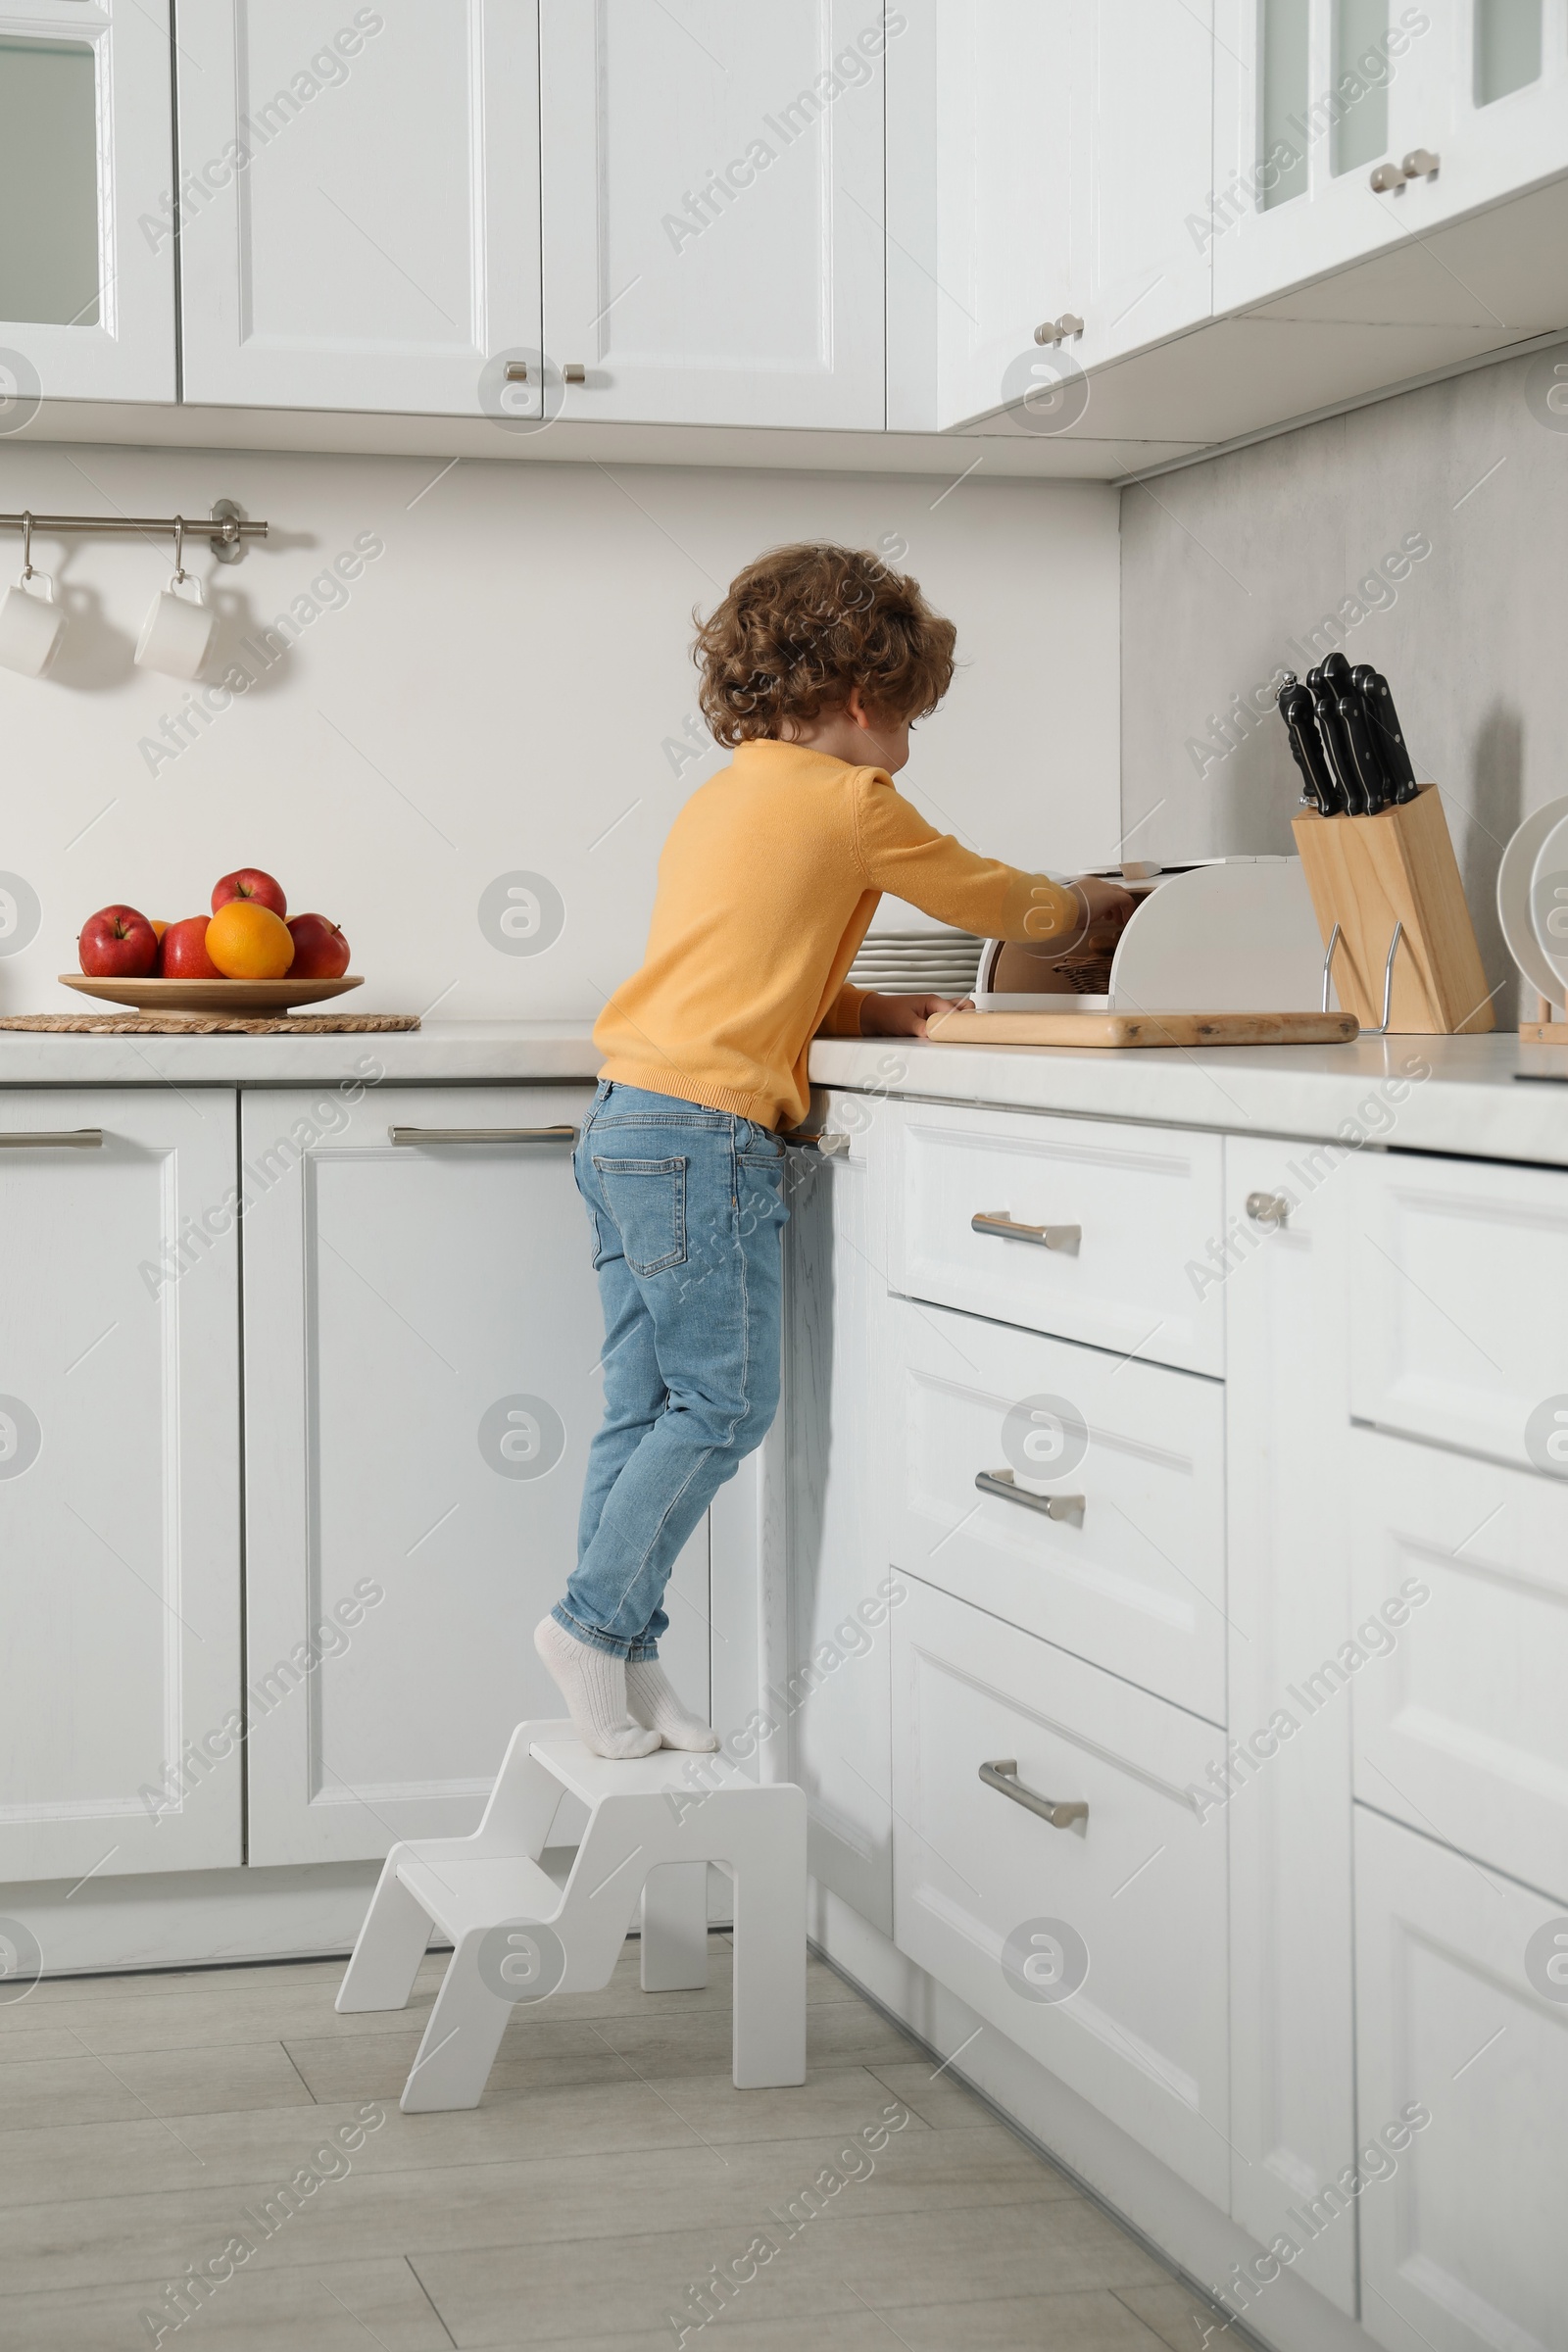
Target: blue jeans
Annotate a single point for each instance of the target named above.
(688, 1212)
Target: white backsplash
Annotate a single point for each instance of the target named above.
(486, 675)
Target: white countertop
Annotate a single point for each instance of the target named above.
(1471, 1102)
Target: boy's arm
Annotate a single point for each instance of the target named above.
(901, 853)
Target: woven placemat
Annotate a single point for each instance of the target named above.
(207, 1024)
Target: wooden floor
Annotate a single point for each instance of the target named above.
(147, 2122)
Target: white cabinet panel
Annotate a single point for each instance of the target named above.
(87, 167)
(713, 210)
(1073, 146)
(836, 1683)
(1461, 2244)
(362, 203)
(1145, 1206)
(120, 1657)
(1050, 1933)
(1286, 1418)
(1457, 1331)
(1491, 98)
(1133, 1574)
(1460, 1728)
(422, 1344)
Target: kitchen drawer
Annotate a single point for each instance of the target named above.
(1135, 1896)
(1136, 1579)
(1137, 1208)
(1460, 1726)
(1458, 1324)
(1462, 2239)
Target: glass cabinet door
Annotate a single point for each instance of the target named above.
(86, 205)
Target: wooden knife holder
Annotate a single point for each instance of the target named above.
(1368, 874)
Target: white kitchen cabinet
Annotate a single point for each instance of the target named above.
(1452, 1733)
(120, 1551)
(837, 1680)
(1072, 146)
(421, 1346)
(713, 210)
(1047, 1931)
(1457, 2015)
(1457, 1332)
(1490, 95)
(359, 192)
(1293, 2091)
(86, 157)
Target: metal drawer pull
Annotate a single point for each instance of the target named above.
(482, 1135)
(831, 1146)
(1003, 1775)
(515, 372)
(574, 372)
(1049, 1506)
(1006, 1228)
(1267, 1208)
(68, 1139)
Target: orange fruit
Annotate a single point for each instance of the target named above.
(249, 941)
(158, 928)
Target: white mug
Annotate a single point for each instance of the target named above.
(176, 635)
(30, 626)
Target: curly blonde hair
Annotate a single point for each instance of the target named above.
(804, 624)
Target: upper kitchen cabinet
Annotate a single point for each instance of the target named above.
(86, 247)
(1071, 149)
(712, 207)
(359, 204)
(1348, 129)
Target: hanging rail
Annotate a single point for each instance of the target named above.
(225, 528)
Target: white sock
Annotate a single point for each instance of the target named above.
(593, 1683)
(654, 1700)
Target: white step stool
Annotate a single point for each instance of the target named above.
(644, 1816)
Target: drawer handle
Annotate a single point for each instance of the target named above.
(67, 1138)
(831, 1146)
(1268, 1209)
(1003, 1775)
(1052, 1507)
(482, 1135)
(1006, 1228)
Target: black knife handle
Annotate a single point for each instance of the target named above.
(1387, 732)
(1300, 728)
(1330, 726)
(1358, 734)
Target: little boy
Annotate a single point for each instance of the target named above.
(814, 668)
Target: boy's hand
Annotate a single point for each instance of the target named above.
(1105, 908)
(903, 1016)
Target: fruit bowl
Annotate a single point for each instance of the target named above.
(211, 995)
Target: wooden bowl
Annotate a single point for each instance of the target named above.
(211, 995)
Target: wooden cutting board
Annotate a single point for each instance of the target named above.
(1111, 1029)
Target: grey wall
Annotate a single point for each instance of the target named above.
(1228, 567)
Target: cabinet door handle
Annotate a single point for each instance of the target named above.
(1386, 176)
(1006, 1228)
(1062, 1813)
(1267, 1208)
(573, 372)
(1049, 1506)
(482, 1135)
(831, 1146)
(67, 1138)
(515, 372)
(1420, 163)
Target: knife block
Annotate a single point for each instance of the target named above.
(1367, 873)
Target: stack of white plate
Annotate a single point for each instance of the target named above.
(932, 964)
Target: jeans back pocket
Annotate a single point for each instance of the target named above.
(647, 1198)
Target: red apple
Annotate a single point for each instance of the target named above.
(249, 882)
(184, 954)
(116, 943)
(321, 950)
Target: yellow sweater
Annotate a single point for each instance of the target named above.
(766, 887)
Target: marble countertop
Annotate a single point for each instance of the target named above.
(1432, 1094)
(1422, 1094)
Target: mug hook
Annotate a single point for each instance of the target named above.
(180, 549)
(27, 547)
